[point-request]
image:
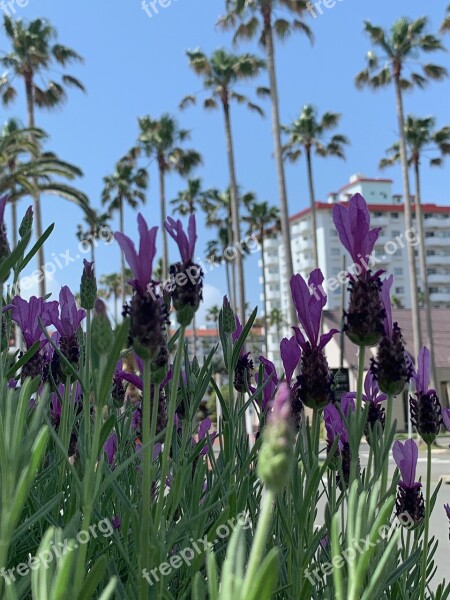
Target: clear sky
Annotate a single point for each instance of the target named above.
(136, 65)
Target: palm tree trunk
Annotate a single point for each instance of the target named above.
(162, 201)
(229, 287)
(284, 209)
(235, 212)
(266, 322)
(312, 200)
(116, 316)
(424, 273)
(36, 197)
(122, 257)
(417, 337)
(233, 294)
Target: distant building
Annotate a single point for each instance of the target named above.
(208, 338)
(387, 211)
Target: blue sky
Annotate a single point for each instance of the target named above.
(136, 65)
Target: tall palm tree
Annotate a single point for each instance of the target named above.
(127, 185)
(401, 48)
(261, 217)
(261, 18)
(24, 170)
(308, 134)
(160, 139)
(221, 74)
(93, 222)
(277, 320)
(212, 314)
(32, 56)
(421, 137)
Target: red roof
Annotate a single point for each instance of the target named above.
(426, 208)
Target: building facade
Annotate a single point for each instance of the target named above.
(387, 212)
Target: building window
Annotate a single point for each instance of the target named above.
(400, 290)
(395, 233)
(398, 271)
(394, 215)
(335, 251)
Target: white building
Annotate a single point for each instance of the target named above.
(387, 211)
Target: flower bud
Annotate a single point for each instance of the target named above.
(102, 334)
(27, 223)
(88, 287)
(228, 317)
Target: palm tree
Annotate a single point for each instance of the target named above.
(127, 185)
(188, 200)
(32, 56)
(401, 48)
(23, 170)
(221, 73)
(160, 139)
(93, 222)
(111, 287)
(421, 136)
(445, 27)
(261, 217)
(259, 18)
(213, 313)
(277, 320)
(308, 134)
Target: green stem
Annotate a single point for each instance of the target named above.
(87, 395)
(315, 435)
(259, 542)
(359, 388)
(147, 426)
(423, 579)
(387, 431)
(170, 423)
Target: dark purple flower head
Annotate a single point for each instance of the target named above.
(422, 375)
(309, 300)
(335, 426)
(110, 448)
(70, 317)
(185, 243)
(141, 263)
(27, 316)
(405, 456)
(353, 227)
(116, 522)
(269, 376)
(290, 355)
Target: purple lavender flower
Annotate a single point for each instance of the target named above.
(426, 410)
(148, 311)
(270, 376)
(116, 522)
(141, 262)
(29, 316)
(447, 510)
(110, 448)
(186, 276)
(203, 430)
(409, 495)
(244, 368)
(67, 323)
(446, 417)
(336, 428)
(315, 383)
(392, 367)
(373, 397)
(364, 318)
(88, 287)
(291, 353)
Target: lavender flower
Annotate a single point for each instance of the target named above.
(373, 397)
(336, 428)
(315, 382)
(277, 450)
(244, 367)
(88, 287)
(426, 411)
(364, 318)
(110, 448)
(29, 316)
(202, 436)
(291, 353)
(447, 510)
(392, 367)
(67, 322)
(186, 276)
(270, 376)
(409, 495)
(148, 312)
